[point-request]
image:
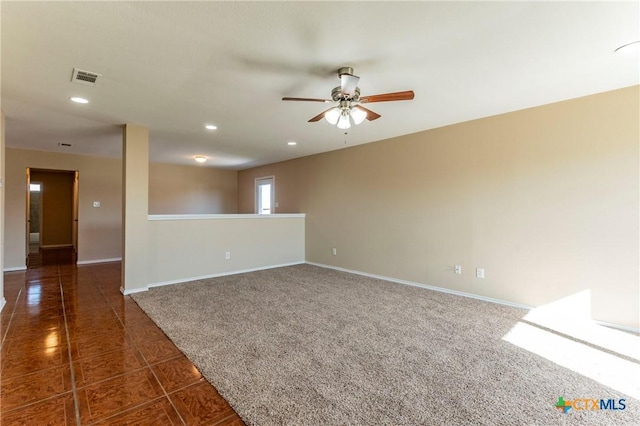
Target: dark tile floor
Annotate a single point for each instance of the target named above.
(75, 351)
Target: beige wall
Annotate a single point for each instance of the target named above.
(291, 180)
(177, 189)
(172, 190)
(135, 207)
(545, 199)
(100, 179)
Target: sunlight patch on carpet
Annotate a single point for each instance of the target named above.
(564, 333)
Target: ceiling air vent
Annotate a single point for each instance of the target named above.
(87, 78)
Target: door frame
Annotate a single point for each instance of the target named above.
(261, 181)
(28, 216)
(74, 208)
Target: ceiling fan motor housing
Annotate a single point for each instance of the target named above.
(337, 95)
(345, 70)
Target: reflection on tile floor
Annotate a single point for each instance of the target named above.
(75, 351)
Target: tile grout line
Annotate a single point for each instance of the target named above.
(134, 332)
(146, 361)
(202, 378)
(166, 394)
(132, 408)
(76, 402)
(13, 311)
(2, 343)
(4, 336)
(36, 402)
(227, 418)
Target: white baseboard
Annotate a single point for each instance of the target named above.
(90, 262)
(135, 290)
(463, 294)
(618, 326)
(127, 292)
(429, 287)
(80, 262)
(222, 274)
(15, 268)
(2, 303)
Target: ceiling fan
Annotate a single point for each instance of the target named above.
(349, 106)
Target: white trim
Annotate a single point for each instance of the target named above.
(135, 290)
(225, 216)
(618, 326)
(222, 274)
(89, 262)
(15, 269)
(428, 287)
(2, 303)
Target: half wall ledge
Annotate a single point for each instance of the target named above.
(225, 216)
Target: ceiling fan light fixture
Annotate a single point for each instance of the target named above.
(200, 158)
(358, 115)
(343, 122)
(333, 115)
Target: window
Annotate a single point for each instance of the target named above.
(34, 187)
(265, 195)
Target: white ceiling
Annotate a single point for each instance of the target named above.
(174, 66)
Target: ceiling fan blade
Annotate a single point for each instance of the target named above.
(320, 116)
(386, 97)
(370, 114)
(348, 83)
(306, 99)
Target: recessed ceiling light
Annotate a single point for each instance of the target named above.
(79, 100)
(292, 143)
(631, 47)
(200, 158)
(210, 127)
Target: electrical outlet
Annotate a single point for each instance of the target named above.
(96, 204)
(479, 272)
(457, 269)
(227, 255)
(334, 251)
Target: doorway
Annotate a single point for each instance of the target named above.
(34, 221)
(265, 195)
(52, 213)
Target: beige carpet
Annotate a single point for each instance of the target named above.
(305, 345)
